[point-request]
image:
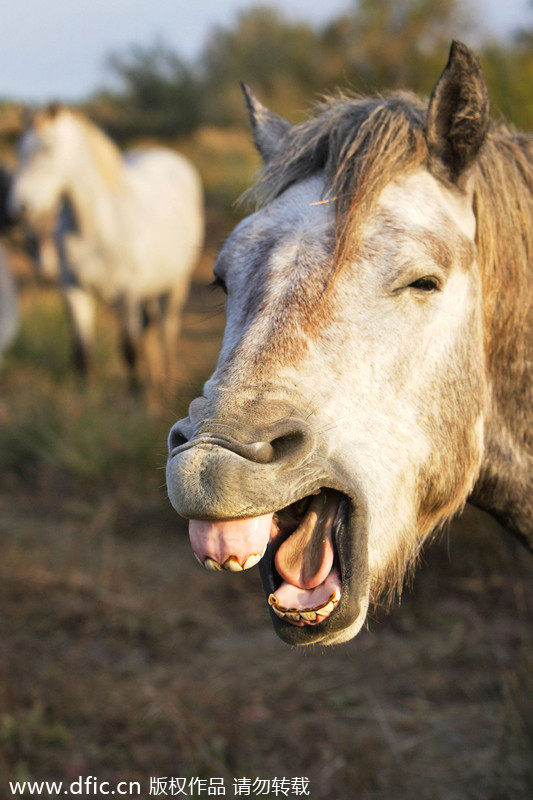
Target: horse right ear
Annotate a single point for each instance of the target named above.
(458, 116)
(269, 129)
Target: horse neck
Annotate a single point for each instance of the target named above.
(95, 187)
(505, 486)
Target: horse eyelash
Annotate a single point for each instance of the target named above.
(425, 285)
(218, 283)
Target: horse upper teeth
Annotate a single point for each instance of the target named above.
(252, 560)
(210, 563)
(232, 564)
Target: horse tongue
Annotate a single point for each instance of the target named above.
(233, 544)
(305, 558)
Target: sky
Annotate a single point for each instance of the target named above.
(56, 49)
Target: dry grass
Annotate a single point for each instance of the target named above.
(121, 658)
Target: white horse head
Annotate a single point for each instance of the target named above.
(363, 389)
(45, 153)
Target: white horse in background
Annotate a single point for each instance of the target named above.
(128, 229)
(9, 320)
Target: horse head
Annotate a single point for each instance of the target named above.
(44, 167)
(345, 420)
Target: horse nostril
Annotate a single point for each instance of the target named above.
(284, 447)
(287, 444)
(176, 439)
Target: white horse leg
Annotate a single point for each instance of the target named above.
(81, 309)
(48, 264)
(133, 322)
(152, 344)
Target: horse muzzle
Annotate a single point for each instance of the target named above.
(269, 494)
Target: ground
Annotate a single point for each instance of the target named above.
(121, 658)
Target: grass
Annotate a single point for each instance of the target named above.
(52, 420)
(121, 658)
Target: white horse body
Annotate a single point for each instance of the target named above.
(134, 225)
(112, 253)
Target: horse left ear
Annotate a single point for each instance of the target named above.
(269, 129)
(458, 116)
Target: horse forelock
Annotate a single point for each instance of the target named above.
(360, 145)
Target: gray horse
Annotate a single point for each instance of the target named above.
(376, 367)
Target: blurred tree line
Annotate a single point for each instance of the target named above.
(376, 45)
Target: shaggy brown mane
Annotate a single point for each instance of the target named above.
(360, 143)
(503, 197)
(503, 202)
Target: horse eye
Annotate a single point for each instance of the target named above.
(425, 284)
(218, 283)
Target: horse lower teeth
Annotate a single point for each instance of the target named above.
(308, 614)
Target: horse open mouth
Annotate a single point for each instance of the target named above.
(301, 565)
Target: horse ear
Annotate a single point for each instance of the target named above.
(269, 129)
(458, 115)
(53, 108)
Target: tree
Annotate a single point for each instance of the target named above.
(157, 93)
(283, 61)
(388, 44)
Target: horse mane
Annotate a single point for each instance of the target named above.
(503, 204)
(107, 156)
